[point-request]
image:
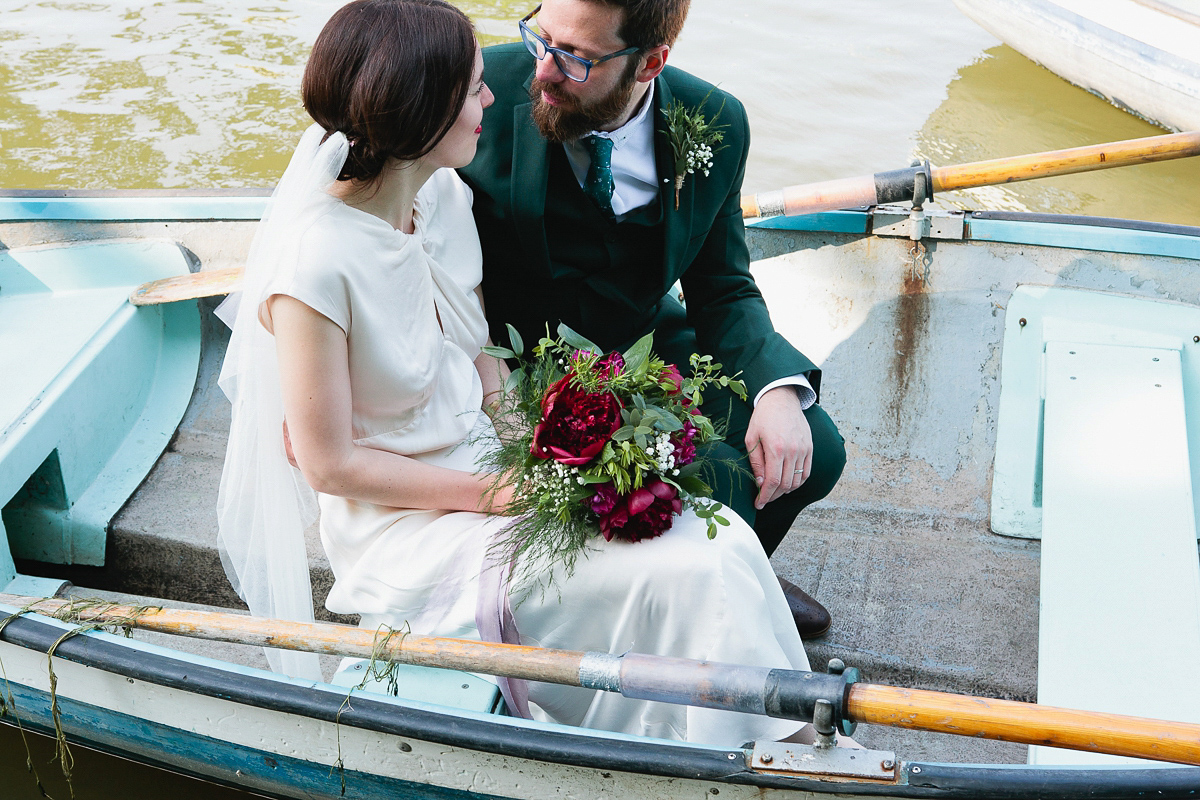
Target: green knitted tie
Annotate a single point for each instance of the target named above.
(599, 182)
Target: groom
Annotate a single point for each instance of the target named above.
(575, 201)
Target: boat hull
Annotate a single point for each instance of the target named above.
(911, 344)
(1149, 68)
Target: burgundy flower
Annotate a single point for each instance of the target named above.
(671, 373)
(644, 514)
(575, 424)
(610, 365)
(604, 500)
(685, 447)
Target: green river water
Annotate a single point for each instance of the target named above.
(203, 93)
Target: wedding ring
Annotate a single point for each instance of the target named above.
(797, 472)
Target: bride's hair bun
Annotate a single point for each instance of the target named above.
(393, 76)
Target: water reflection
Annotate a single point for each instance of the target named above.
(185, 93)
(204, 93)
(1004, 104)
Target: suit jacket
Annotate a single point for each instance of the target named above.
(704, 241)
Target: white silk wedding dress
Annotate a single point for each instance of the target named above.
(413, 320)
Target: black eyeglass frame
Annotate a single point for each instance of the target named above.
(559, 54)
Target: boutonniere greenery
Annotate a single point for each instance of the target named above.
(693, 139)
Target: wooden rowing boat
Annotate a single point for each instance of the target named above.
(1140, 55)
(972, 521)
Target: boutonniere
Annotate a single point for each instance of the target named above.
(693, 138)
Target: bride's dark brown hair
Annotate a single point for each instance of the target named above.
(392, 75)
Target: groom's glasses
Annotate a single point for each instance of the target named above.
(574, 67)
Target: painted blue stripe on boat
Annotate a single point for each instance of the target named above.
(206, 757)
(830, 221)
(1084, 237)
(96, 209)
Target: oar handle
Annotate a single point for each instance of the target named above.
(898, 186)
(1066, 162)
(1024, 723)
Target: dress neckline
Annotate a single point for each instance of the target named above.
(418, 221)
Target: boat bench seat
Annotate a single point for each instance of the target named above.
(93, 389)
(1120, 579)
(446, 687)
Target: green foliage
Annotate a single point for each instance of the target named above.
(551, 520)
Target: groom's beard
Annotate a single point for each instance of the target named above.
(572, 119)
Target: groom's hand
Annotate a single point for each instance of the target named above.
(779, 444)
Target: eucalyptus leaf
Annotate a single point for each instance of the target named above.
(688, 470)
(514, 379)
(623, 434)
(499, 352)
(664, 420)
(637, 355)
(720, 519)
(693, 486)
(514, 339)
(578, 341)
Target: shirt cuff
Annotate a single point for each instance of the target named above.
(804, 389)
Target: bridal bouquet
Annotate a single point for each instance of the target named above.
(601, 444)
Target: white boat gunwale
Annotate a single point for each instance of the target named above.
(578, 748)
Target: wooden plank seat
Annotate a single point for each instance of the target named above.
(93, 391)
(1120, 578)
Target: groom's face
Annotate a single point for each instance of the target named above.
(564, 109)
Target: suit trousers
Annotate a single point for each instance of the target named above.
(733, 484)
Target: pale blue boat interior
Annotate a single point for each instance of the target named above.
(93, 391)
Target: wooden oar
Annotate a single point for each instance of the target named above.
(883, 187)
(188, 287)
(780, 693)
(898, 186)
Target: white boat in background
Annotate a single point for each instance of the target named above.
(1141, 55)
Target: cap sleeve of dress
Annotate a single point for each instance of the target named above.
(321, 279)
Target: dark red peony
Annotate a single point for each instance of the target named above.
(575, 424)
(644, 514)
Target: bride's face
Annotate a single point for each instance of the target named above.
(457, 147)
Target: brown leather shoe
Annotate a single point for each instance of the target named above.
(812, 620)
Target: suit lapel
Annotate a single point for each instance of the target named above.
(677, 224)
(530, 172)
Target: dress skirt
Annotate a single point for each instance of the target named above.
(680, 595)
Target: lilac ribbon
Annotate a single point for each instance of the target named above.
(494, 618)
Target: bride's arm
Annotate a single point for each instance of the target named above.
(315, 381)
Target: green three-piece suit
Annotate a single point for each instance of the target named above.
(551, 255)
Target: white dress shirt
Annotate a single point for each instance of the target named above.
(636, 183)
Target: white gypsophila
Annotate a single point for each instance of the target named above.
(663, 452)
(554, 481)
(700, 158)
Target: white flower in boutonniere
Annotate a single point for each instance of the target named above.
(692, 140)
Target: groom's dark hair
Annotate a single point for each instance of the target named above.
(392, 75)
(649, 23)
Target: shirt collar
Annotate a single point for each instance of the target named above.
(635, 126)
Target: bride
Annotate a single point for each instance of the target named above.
(361, 323)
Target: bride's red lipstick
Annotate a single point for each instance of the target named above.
(479, 129)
